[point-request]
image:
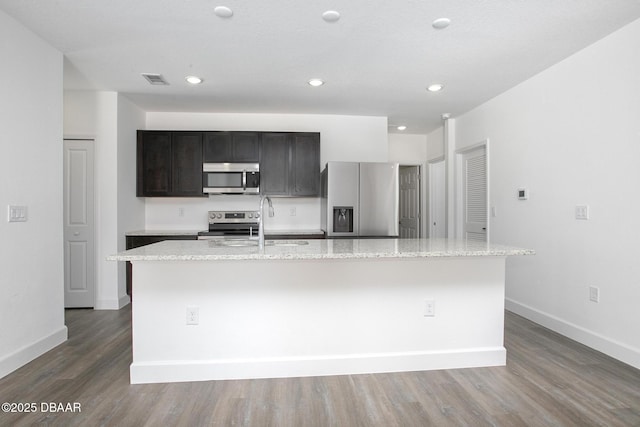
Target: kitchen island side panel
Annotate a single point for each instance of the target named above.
(287, 318)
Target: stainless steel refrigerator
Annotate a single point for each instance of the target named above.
(360, 199)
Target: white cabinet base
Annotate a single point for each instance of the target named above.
(292, 318)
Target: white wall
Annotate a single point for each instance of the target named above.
(407, 148)
(435, 144)
(571, 135)
(31, 253)
(112, 121)
(343, 138)
(130, 208)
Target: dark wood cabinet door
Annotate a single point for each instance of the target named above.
(305, 164)
(186, 164)
(217, 147)
(274, 164)
(154, 164)
(245, 147)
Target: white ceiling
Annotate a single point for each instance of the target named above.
(377, 59)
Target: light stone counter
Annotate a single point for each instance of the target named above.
(327, 307)
(209, 250)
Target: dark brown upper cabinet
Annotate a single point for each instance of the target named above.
(231, 147)
(274, 164)
(290, 164)
(169, 164)
(305, 165)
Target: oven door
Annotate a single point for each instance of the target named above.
(247, 230)
(230, 178)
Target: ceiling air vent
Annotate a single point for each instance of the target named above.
(155, 79)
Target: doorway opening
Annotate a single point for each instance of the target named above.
(410, 201)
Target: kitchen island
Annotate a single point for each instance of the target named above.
(205, 311)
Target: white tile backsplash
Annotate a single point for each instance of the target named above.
(191, 213)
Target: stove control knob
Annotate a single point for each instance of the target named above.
(257, 215)
(250, 215)
(219, 216)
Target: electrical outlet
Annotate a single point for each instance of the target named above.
(429, 308)
(582, 211)
(180, 212)
(292, 211)
(193, 315)
(594, 294)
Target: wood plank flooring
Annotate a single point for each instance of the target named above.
(548, 381)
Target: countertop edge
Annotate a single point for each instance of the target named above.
(298, 256)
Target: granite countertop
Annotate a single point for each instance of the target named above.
(195, 232)
(210, 250)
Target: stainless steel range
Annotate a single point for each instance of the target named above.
(225, 224)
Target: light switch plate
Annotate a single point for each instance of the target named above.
(429, 307)
(17, 213)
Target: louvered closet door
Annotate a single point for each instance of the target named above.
(475, 194)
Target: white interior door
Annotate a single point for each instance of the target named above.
(474, 194)
(409, 201)
(437, 207)
(79, 259)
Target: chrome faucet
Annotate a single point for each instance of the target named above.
(261, 222)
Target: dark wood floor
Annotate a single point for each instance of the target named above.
(548, 381)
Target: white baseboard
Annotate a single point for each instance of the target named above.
(124, 301)
(26, 354)
(112, 304)
(608, 346)
(206, 370)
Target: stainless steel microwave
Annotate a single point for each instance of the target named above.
(231, 178)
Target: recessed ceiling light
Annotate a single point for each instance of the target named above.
(435, 87)
(223, 12)
(331, 16)
(194, 80)
(401, 127)
(316, 82)
(441, 23)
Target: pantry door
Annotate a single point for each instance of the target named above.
(78, 229)
(473, 193)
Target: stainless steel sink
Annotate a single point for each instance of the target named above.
(233, 242)
(286, 243)
(243, 243)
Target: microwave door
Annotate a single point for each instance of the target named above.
(224, 182)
